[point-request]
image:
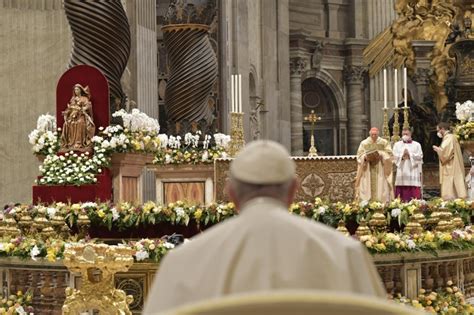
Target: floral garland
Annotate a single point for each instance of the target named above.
(384, 243)
(19, 303)
(52, 249)
(125, 215)
(448, 300)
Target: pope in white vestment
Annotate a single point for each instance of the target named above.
(264, 248)
(408, 157)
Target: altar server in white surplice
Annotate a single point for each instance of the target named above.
(408, 157)
(264, 248)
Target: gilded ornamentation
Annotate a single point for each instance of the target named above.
(312, 118)
(378, 221)
(413, 226)
(312, 185)
(341, 227)
(237, 141)
(97, 264)
(386, 130)
(417, 20)
(78, 128)
(133, 287)
(342, 185)
(363, 229)
(337, 174)
(396, 126)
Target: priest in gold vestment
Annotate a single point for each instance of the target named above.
(451, 165)
(374, 173)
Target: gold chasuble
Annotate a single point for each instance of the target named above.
(451, 169)
(374, 173)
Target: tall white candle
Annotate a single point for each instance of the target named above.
(405, 100)
(384, 88)
(232, 93)
(395, 92)
(240, 93)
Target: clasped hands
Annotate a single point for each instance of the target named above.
(406, 155)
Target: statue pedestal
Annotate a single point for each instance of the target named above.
(127, 170)
(102, 191)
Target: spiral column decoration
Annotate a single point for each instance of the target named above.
(192, 63)
(101, 38)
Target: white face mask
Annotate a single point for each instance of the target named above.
(405, 138)
(439, 134)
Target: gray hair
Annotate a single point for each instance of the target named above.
(246, 191)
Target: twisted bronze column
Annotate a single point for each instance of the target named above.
(192, 61)
(101, 38)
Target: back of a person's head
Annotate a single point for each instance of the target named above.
(262, 168)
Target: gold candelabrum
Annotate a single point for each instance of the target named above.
(396, 126)
(406, 123)
(97, 264)
(312, 118)
(386, 130)
(237, 141)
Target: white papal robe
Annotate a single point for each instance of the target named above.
(264, 248)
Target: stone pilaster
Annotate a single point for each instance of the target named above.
(297, 66)
(357, 118)
(421, 78)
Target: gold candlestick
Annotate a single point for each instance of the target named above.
(237, 141)
(386, 131)
(396, 126)
(406, 123)
(312, 118)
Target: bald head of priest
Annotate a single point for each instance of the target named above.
(264, 248)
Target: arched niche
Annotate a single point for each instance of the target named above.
(330, 134)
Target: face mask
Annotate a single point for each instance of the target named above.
(405, 138)
(439, 134)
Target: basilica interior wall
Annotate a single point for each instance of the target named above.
(35, 47)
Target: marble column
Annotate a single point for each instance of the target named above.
(140, 80)
(357, 118)
(297, 66)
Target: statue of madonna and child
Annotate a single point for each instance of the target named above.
(79, 127)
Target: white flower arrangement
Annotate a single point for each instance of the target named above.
(138, 121)
(465, 111)
(191, 151)
(45, 138)
(72, 169)
(222, 140)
